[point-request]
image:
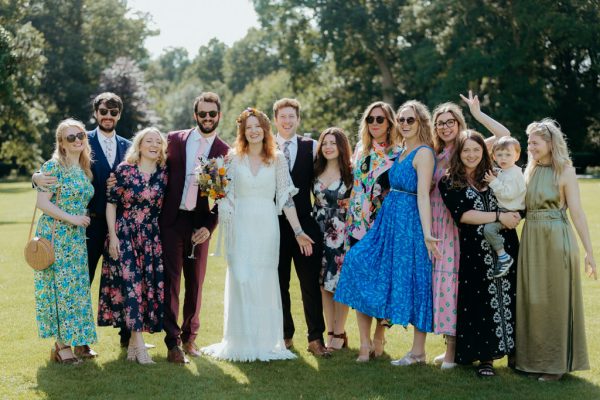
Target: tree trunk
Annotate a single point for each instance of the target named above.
(387, 79)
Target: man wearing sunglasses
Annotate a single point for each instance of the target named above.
(108, 151)
(186, 219)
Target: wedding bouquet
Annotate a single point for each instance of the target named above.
(211, 176)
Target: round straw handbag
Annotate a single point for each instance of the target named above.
(39, 252)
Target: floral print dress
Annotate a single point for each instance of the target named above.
(329, 211)
(132, 287)
(371, 184)
(62, 291)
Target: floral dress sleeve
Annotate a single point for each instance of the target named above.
(51, 167)
(116, 192)
(284, 188)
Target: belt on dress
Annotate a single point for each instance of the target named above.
(547, 214)
(402, 191)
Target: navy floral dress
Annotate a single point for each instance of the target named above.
(132, 287)
(387, 274)
(330, 211)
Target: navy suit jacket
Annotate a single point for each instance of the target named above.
(101, 170)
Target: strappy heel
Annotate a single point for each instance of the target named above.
(376, 347)
(139, 354)
(409, 359)
(63, 355)
(341, 336)
(362, 357)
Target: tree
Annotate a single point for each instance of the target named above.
(125, 78)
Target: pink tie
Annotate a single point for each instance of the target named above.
(192, 193)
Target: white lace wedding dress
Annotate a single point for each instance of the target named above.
(253, 322)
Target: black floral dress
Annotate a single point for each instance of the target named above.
(486, 305)
(132, 287)
(330, 211)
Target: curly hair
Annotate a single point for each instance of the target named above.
(457, 173)
(241, 143)
(549, 130)
(344, 158)
(60, 154)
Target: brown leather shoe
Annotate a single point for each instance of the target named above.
(177, 356)
(191, 349)
(85, 352)
(316, 348)
(288, 343)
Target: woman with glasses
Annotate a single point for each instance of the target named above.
(550, 325)
(132, 285)
(373, 157)
(62, 291)
(448, 122)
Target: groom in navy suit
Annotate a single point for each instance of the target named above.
(108, 151)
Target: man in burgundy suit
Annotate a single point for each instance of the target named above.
(186, 219)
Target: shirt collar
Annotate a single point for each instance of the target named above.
(103, 137)
(195, 135)
(280, 140)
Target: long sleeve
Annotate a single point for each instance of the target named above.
(510, 189)
(227, 210)
(284, 189)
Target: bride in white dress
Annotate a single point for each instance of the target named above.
(259, 190)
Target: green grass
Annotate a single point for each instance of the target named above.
(26, 372)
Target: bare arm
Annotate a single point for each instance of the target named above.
(111, 220)
(474, 217)
(495, 127)
(424, 164)
(573, 200)
(43, 180)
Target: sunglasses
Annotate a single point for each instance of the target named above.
(202, 114)
(113, 111)
(379, 119)
(450, 123)
(409, 120)
(79, 135)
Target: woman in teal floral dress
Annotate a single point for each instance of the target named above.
(62, 291)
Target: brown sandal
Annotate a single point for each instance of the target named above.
(85, 352)
(344, 339)
(63, 355)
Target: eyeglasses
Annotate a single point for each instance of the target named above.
(113, 111)
(202, 114)
(449, 123)
(409, 120)
(379, 119)
(79, 135)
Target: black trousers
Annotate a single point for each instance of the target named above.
(96, 234)
(308, 270)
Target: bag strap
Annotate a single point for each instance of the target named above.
(53, 225)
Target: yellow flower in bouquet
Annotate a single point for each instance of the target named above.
(211, 176)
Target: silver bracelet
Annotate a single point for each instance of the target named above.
(298, 231)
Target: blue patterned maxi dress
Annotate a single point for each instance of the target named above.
(388, 273)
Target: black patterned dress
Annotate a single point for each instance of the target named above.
(485, 326)
(330, 211)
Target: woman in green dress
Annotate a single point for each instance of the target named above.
(62, 291)
(550, 329)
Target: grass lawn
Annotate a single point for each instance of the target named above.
(27, 373)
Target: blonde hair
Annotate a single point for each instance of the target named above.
(392, 133)
(425, 129)
(60, 155)
(549, 131)
(133, 155)
(505, 143)
(456, 112)
(286, 102)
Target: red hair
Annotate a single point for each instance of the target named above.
(241, 143)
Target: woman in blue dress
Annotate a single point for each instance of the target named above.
(388, 273)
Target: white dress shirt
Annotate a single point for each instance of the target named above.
(104, 144)
(191, 148)
(293, 147)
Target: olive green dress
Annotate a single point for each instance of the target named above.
(550, 329)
